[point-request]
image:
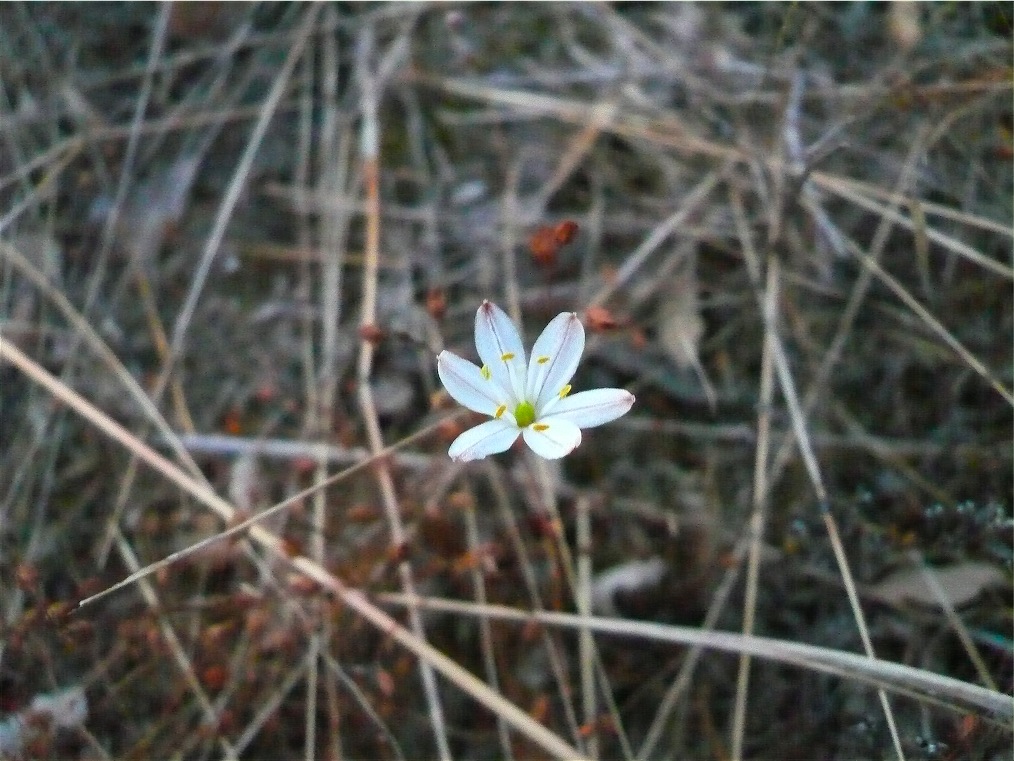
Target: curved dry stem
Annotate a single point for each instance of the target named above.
(478, 690)
(918, 684)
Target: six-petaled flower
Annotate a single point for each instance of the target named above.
(530, 399)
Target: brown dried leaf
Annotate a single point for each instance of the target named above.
(905, 25)
(153, 209)
(546, 242)
(245, 486)
(599, 319)
(679, 317)
(626, 577)
(960, 583)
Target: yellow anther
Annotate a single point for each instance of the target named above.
(484, 371)
(542, 360)
(564, 391)
(540, 427)
(507, 356)
(499, 411)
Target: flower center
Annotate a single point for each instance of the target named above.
(524, 413)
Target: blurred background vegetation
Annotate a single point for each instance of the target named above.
(793, 244)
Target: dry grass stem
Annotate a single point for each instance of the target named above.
(234, 239)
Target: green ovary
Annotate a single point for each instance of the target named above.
(524, 413)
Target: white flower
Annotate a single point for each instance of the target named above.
(530, 400)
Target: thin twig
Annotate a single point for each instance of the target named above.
(232, 196)
(632, 263)
(954, 619)
(757, 519)
(479, 691)
(798, 419)
(172, 640)
(371, 84)
(585, 643)
(553, 655)
(485, 632)
(268, 708)
(919, 684)
(934, 324)
(688, 665)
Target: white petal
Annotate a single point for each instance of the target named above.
(489, 438)
(558, 438)
(467, 386)
(560, 347)
(496, 338)
(591, 408)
